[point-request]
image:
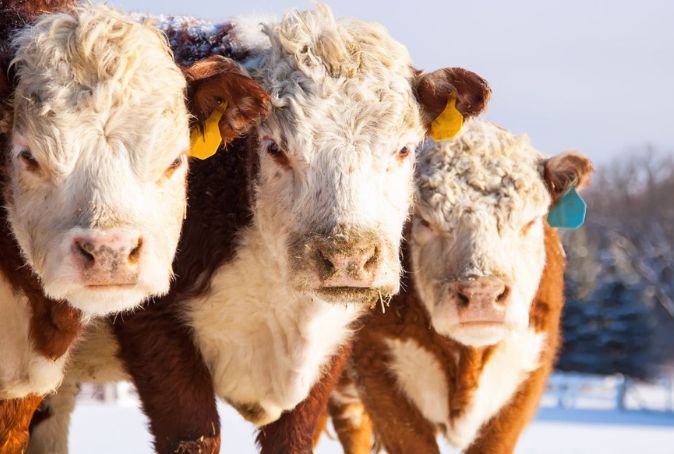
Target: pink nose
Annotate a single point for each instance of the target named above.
(351, 265)
(108, 257)
(480, 300)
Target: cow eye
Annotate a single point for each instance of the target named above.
(29, 161)
(278, 154)
(403, 153)
(175, 165)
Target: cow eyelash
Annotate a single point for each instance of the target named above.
(175, 165)
(527, 227)
(29, 160)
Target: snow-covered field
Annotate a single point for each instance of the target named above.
(113, 428)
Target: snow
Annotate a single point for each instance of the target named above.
(115, 428)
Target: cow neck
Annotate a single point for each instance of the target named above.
(220, 200)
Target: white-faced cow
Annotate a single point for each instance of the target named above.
(273, 271)
(92, 166)
(466, 348)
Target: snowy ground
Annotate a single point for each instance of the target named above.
(108, 429)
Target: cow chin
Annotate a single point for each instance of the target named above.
(99, 301)
(355, 295)
(478, 334)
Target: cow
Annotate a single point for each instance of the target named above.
(466, 348)
(94, 143)
(274, 270)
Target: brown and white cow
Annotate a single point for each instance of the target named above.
(273, 271)
(466, 348)
(92, 166)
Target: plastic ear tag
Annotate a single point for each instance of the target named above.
(204, 145)
(569, 211)
(449, 122)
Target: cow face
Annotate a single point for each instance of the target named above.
(477, 236)
(96, 191)
(337, 151)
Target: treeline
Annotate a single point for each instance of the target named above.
(619, 316)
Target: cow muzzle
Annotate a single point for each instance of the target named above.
(349, 267)
(480, 300)
(107, 258)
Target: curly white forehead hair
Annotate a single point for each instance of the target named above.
(314, 54)
(485, 166)
(94, 57)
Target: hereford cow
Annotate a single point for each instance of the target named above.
(273, 271)
(466, 348)
(93, 145)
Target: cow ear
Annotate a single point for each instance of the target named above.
(435, 90)
(564, 171)
(216, 80)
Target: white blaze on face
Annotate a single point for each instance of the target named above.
(97, 191)
(336, 153)
(479, 220)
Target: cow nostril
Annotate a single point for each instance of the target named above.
(134, 255)
(371, 262)
(84, 248)
(503, 296)
(327, 264)
(463, 299)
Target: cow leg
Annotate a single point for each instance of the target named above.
(350, 418)
(500, 434)
(353, 426)
(293, 432)
(399, 426)
(173, 382)
(50, 425)
(15, 416)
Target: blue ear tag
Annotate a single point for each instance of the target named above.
(569, 211)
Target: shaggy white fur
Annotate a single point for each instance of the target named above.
(264, 343)
(99, 119)
(481, 199)
(420, 376)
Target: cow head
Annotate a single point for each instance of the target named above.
(336, 153)
(97, 158)
(477, 235)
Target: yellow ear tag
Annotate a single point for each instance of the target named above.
(204, 145)
(449, 122)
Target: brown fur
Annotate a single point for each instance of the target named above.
(564, 171)
(434, 90)
(189, 48)
(173, 382)
(15, 415)
(217, 79)
(399, 425)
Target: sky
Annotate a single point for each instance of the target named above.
(591, 75)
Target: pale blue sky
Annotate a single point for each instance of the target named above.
(594, 75)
